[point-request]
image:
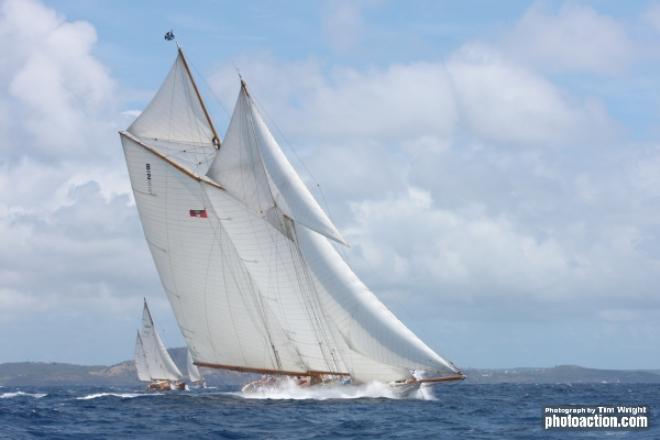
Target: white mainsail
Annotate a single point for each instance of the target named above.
(193, 372)
(152, 360)
(244, 256)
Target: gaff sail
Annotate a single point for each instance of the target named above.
(244, 254)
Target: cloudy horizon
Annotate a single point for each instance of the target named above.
(497, 174)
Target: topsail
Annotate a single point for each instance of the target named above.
(245, 253)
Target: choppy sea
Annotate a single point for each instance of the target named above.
(458, 411)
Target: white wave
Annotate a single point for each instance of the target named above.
(289, 389)
(22, 394)
(120, 395)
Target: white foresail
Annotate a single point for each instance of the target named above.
(367, 326)
(141, 360)
(253, 168)
(193, 372)
(159, 363)
(244, 257)
(176, 123)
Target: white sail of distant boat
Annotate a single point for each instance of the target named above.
(152, 361)
(193, 372)
(141, 364)
(246, 255)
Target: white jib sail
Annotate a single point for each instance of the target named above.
(193, 372)
(159, 363)
(141, 360)
(251, 166)
(248, 268)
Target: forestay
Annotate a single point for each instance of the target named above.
(244, 257)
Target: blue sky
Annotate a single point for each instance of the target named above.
(495, 165)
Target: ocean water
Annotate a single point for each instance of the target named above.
(458, 411)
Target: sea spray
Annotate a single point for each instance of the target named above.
(22, 394)
(288, 388)
(119, 395)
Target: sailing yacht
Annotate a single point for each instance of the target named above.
(152, 361)
(248, 258)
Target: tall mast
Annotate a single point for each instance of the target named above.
(216, 138)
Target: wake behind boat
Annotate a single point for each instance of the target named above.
(246, 256)
(153, 363)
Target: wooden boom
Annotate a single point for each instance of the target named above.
(267, 371)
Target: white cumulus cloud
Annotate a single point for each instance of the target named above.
(574, 38)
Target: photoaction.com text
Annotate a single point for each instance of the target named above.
(596, 417)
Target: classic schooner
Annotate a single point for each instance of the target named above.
(247, 256)
(152, 361)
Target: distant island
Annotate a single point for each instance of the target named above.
(123, 374)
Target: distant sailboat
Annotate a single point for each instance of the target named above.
(244, 252)
(152, 361)
(193, 372)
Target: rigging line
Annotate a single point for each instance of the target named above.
(324, 202)
(259, 302)
(210, 88)
(218, 235)
(289, 145)
(257, 160)
(234, 275)
(256, 150)
(216, 137)
(190, 112)
(259, 172)
(166, 201)
(262, 109)
(206, 278)
(170, 119)
(314, 309)
(293, 150)
(275, 279)
(318, 320)
(324, 319)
